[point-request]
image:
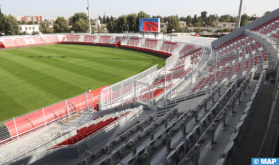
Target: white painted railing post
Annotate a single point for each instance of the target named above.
(44, 116)
(149, 96)
(171, 86)
(86, 100)
(135, 89)
(16, 129)
(107, 96)
(110, 98)
(93, 101)
(67, 108)
(165, 82)
(122, 93)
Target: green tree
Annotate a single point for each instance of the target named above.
(225, 18)
(244, 19)
(208, 20)
(132, 21)
(112, 26)
(61, 25)
(198, 30)
(141, 14)
(220, 30)
(226, 30)
(189, 20)
(122, 24)
(111, 18)
(195, 19)
(234, 19)
(190, 25)
(104, 19)
(1, 15)
(204, 15)
(161, 18)
(107, 20)
(9, 25)
(165, 19)
(182, 19)
(44, 27)
(200, 21)
(173, 23)
(197, 24)
(266, 12)
(80, 26)
(100, 19)
(23, 33)
(79, 22)
(34, 33)
(77, 16)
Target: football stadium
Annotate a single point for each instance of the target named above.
(140, 98)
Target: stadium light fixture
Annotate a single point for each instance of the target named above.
(89, 17)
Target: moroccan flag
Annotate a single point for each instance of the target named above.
(150, 24)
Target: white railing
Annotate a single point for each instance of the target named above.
(117, 92)
(32, 146)
(12, 129)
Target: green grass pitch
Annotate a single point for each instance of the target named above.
(35, 77)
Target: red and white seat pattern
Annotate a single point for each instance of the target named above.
(268, 28)
(186, 49)
(134, 42)
(72, 39)
(168, 46)
(51, 39)
(105, 39)
(150, 44)
(89, 39)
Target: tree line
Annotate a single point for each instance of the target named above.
(130, 22)
(79, 22)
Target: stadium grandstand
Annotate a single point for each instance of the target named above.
(200, 108)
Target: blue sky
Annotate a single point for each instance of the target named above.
(66, 8)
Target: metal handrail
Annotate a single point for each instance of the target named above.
(31, 146)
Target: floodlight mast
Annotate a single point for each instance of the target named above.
(89, 17)
(239, 15)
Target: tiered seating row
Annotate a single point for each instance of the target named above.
(105, 39)
(268, 27)
(185, 49)
(234, 140)
(26, 124)
(71, 39)
(87, 131)
(168, 46)
(19, 42)
(150, 44)
(186, 152)
(205, 133)
(10, 43)
(51, 39)
(134, 42)
(89, 39)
